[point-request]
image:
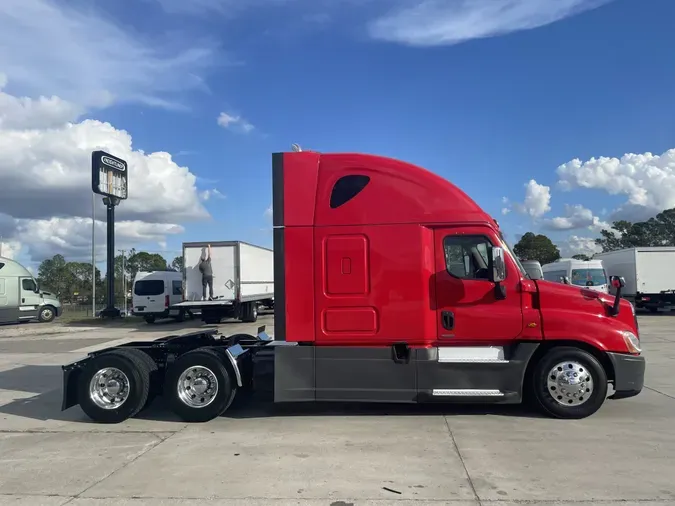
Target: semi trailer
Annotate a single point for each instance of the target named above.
(391, 285)
(242, 279)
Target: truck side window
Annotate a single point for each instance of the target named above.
(346, 188)
(466, 257)
(1, 265)
(28, 285)
(177, 287)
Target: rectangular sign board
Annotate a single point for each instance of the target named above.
(109, 175)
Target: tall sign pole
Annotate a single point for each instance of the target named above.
(109, 178)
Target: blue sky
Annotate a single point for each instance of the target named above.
(459, 87)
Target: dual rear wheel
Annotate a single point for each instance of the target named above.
(118, 384)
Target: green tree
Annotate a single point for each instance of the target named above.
(144, 261)
(656, 231)
(536, 247)
(177, 263)
(55, 276)
(585, 258)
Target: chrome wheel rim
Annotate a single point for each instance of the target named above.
(570, 383)
(46, 314)
(197, 386)
(109, 388)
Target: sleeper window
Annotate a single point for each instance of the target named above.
(467, 257)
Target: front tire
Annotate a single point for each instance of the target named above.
(114, 386)
(198, 386)
(569, 383)
(47, 314)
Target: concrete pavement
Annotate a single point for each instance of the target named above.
(335, 455)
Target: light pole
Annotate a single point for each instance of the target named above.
(93, 255)
(124, 278)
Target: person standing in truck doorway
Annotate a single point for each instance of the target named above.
(207, 273)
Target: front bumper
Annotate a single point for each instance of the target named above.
(629, 374)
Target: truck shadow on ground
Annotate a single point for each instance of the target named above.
(45, 404)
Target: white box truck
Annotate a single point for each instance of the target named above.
(649, 275)
(243, 279)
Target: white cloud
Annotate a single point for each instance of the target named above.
(212, 193)
(444, 22)
(24, 112)
(84, 58)
(647, 180)
(268, 212)
(9, 249)
(71, 237)
(537, 200)
(575, 245)
(45, 196)
(232, 122)
(576, 216)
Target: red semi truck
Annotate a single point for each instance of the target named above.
(392, 285)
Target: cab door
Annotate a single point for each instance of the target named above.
(29, 301)
(467, 304)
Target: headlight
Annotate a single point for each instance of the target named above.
(632, 341)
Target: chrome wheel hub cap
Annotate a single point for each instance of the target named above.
(197, 387)
(570, 383)
(109, 388)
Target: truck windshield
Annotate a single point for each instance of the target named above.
(588, 277)
(515, 258)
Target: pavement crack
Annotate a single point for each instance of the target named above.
(461, 459)
(659, 392)
(159, 441)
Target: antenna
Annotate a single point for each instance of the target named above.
(296, 148)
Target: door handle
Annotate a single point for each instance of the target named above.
(448, 320)
(23, 301)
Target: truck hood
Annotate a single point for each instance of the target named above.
(579, 298)
(570, 311)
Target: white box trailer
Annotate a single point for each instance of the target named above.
(243, 279)
(649, 274)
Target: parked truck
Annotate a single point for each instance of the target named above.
(649, 275)
(21, 298)
(243, 279)
(391, 285)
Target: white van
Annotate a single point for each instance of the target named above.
(587, 273)
(533, 269)
(21, 298)
(155, 292)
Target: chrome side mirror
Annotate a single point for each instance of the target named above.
(498, 265)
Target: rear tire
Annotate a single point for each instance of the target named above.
(569, 383)
(149, 319)
(114, 386)
(198, 386)
(250, 312)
